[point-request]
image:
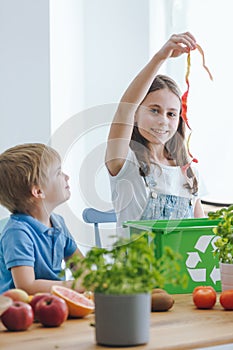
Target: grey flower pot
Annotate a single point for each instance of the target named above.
(122, 320)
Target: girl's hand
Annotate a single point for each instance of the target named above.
(177, 45)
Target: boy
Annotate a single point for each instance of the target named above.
(35, 240)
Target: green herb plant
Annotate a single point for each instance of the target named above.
(224, 231)
(129, 267)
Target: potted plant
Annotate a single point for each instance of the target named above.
(122, 279)
(224, 244)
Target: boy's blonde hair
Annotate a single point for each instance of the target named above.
(22, 167)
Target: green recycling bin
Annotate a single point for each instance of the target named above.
(194, 240)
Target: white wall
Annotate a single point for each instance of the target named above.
(24, 72)
(116, 39)
(66, 60)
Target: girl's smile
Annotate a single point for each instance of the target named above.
(160, 132)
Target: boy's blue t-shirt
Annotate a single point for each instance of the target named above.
(25, 241)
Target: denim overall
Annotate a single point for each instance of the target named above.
(165, 206)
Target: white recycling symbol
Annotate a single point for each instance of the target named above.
(199, 275)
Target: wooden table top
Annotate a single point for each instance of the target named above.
(182, 327)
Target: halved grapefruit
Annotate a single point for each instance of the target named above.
(78, 304)
(5, 302)
(89, 295)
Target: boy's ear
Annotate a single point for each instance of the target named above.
(37, 192)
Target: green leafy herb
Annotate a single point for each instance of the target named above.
(224, 231)
(129, 267)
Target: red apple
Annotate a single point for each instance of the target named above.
(36, 297)
(51, 311)
(18, 317)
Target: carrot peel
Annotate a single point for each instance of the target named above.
(185, 95)
(184, 98)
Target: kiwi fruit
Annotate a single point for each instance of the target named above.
(161, 300)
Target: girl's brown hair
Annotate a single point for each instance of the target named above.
(175, 149)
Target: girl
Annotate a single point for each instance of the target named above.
(146, 157)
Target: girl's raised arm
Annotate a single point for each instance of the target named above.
(123, 122)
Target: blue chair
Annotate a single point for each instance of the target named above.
(96, 217)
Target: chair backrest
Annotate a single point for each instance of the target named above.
(96, 217)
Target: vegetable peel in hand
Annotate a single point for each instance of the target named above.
(203, 61)
(185, 97)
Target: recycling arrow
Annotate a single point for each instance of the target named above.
(193, 259)
(198, 275)
(203, 243)
(215, 274)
